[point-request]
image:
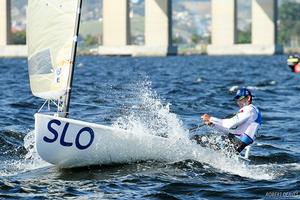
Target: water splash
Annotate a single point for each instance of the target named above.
(150, 116)
(32, 156)
(30, 161)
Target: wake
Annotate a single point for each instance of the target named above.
(150, 116)
(156, 119)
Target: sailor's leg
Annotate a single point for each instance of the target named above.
(241, 146)
(238, 144)
(200, 139)
(209, 141)
(228, 142)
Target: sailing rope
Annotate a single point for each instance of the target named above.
(58, 105)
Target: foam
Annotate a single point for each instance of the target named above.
(30, 162)
(150, 116)
(156, 118)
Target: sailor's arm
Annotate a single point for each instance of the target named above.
(227, 124)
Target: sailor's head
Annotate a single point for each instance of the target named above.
(293, 62)
(243, 97)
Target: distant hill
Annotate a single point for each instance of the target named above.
(190, 17)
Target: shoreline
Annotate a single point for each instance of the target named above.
(20, 51)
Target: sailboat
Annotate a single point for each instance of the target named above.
(52, 32)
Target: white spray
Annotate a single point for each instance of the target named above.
(150, 116)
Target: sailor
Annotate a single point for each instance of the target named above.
(242, 127)
(293, 62)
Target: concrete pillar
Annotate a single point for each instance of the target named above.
(158, 27)
(264, 16)
(116, 26)
(5, 22)
(223, 22)
(263, 29)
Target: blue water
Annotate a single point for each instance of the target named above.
(158, 94)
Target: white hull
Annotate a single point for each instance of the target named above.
(70, 143)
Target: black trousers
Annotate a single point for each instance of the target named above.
(231, 142)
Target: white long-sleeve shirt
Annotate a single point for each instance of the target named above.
(246, 121)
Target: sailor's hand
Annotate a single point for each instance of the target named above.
(206, 119)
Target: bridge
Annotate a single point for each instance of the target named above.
(158, 29)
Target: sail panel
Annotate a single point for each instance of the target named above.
(51, 31)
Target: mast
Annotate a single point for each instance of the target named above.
(66, 103)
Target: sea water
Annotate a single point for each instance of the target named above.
(162, 96)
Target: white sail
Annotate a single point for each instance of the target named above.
(51, 36)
